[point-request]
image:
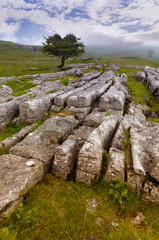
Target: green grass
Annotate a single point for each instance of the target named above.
(20, 86)
(3, 151)
(15, 61)
(153, 119)
(128, 71)
(56, 210)
(139, 93)
(10, 129)
(128, 61)
(65, 81)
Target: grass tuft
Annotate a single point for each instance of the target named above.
(21, 86)
(10, 129)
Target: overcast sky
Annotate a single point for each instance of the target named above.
(96, 22)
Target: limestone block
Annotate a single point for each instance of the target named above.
(65, 158)
(17, 176)
(116, 165)
(33, 110)
(90, 157)
(8, 111)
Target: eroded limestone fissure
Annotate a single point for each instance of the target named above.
(72, 147)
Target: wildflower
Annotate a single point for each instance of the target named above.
(91, 236)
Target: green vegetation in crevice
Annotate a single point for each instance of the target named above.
(127, 148)
(108, 113)
(138, 92)
(21, 85)
(153, 119)
(63, 112)
(141, 95)
(65, 80)
(40, 122)
(128, 162)
(53, 91)
(3, 151)
(55, 210)
(104, 165)
(10, 129)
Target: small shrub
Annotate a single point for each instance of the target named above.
(28, 218)
(119, 192)
(65, 81)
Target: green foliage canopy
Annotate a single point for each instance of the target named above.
(66, 47)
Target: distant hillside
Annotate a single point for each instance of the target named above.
(15, 46)
(105, 51)
(146, 52)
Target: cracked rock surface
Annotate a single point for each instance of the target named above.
(73, 147)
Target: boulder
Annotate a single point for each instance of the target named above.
(89, 76)
(36, 145)
(151, 79)
(85, 98)
(41, 143)
(113, 99)
(65, 158)
(82, 134)
(116, 165)
(145, 150)
(17, 176)
(95, 119)
(34, 110)
(8, 111)
(90, 158)
(80, 113)
(79, 87)
(120, 86)
(5, 93)
(141, 77)
(59, 128)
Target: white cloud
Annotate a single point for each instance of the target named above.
(16, 4)
(107, 18)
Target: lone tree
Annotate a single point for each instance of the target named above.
(66, 47)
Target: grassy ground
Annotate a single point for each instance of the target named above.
(55, 209)
(10, 129)
(15, 61)
(21, 85)
(128, 61)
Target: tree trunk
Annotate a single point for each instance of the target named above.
(62, 62)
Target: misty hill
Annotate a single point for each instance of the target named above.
(146, 52)
(94, 50)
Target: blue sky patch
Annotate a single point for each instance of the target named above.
(136, 27)
(77, 13)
